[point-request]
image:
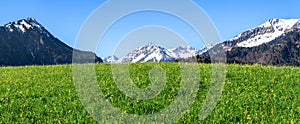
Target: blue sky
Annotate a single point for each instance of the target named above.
(64, 18)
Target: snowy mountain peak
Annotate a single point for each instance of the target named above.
(280, 24)
(33, 22)
(264, 33)
(150, 46)
(23, 25)
(184, 51)
(153, 53)
(148, 53)
(111, 59)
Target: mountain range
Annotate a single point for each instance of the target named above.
(27, 42)
(151, 52)
(275, 42)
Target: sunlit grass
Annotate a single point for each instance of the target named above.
(252, 93)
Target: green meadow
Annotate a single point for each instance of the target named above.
(252, 94)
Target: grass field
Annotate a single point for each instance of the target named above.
(252, 93)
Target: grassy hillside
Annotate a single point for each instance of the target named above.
(251, 94)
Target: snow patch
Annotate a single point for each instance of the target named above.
(23, 22)
(20, 27)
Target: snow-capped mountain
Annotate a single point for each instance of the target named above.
(284, 50)
(205, 49)
(25, 25)
(27, 42)
(154, 53)
(111, 59)
(264, 33)
(184, 51)
(148, 53)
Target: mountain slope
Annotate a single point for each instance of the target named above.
(26, 42)
(262, 34)
(284, 50)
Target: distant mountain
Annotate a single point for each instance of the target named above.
(111, 59)
(26, 42)
(184, 51)
(153, 53)
(148, 53)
